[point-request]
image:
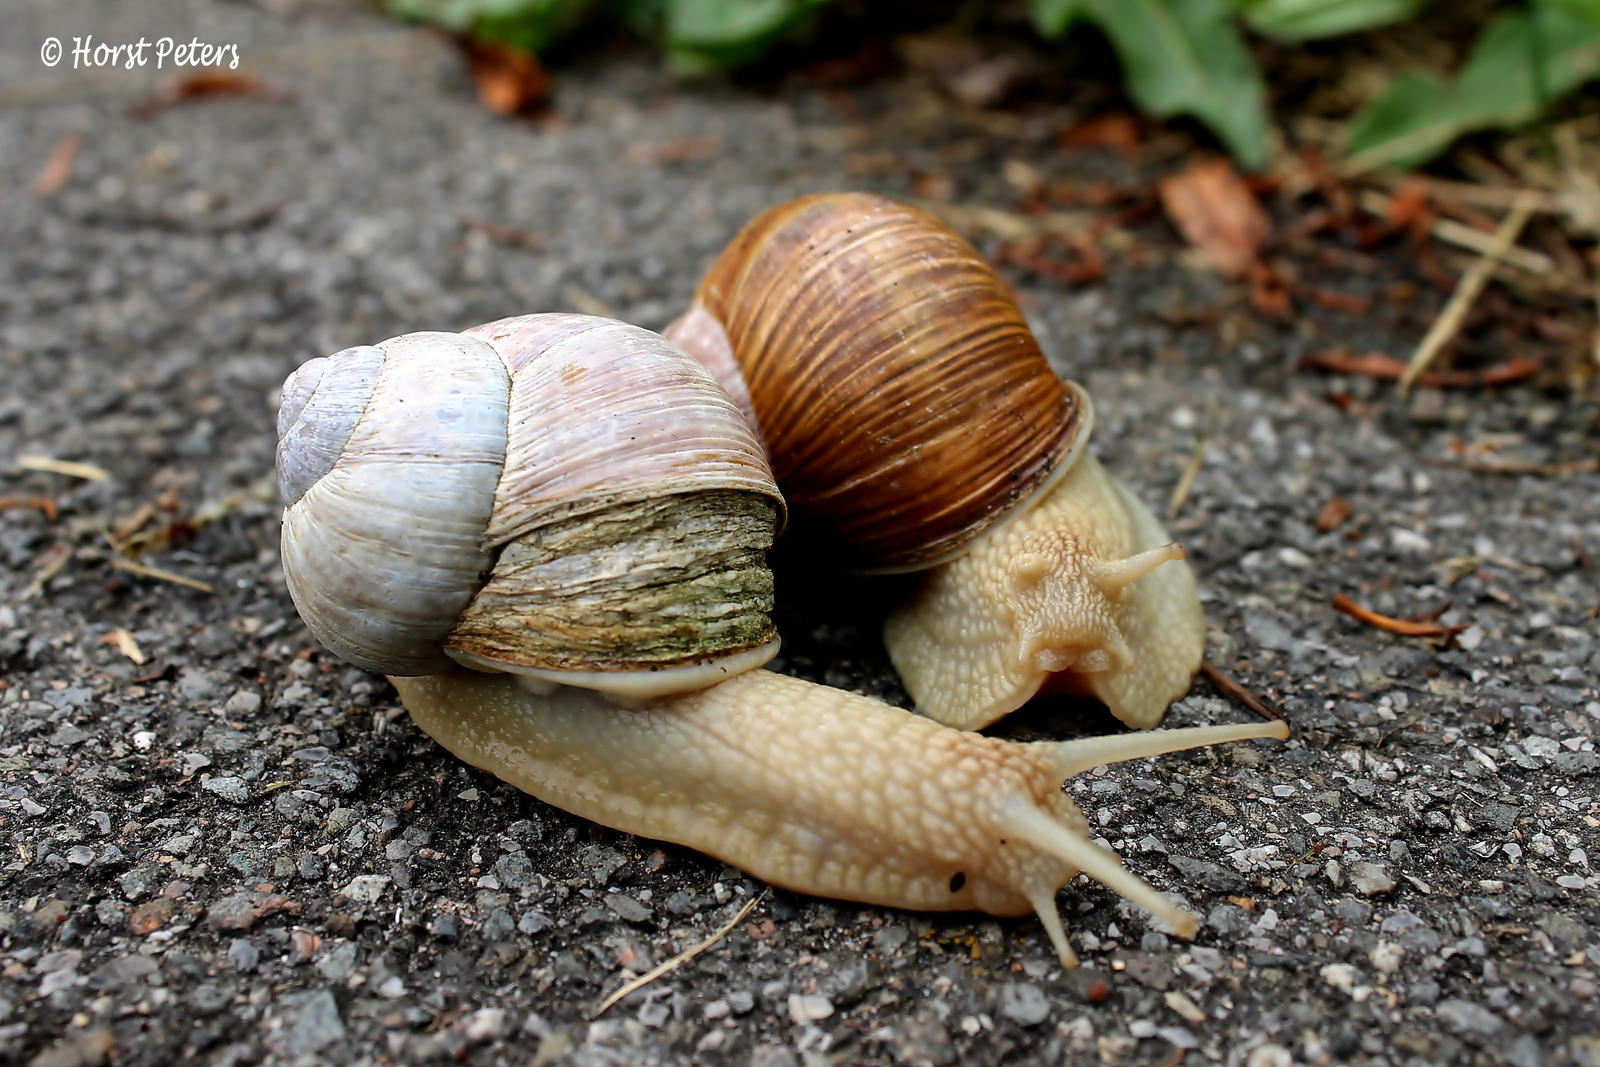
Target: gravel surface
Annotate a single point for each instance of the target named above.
(221, 844)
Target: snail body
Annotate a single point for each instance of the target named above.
(812, 788)
(653, 720)
(913, 424)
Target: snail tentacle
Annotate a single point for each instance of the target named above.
(1057, 598)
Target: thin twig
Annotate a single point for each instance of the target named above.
(45, 504)
(1512, 466)
(1473, 240)
(123, 642)
(1471, 194)
(1007, 225)
(1407, 627)
(1180, 492)
(1238, 693)
(1449, 321)
(120, 564)
(49, 465)
(679, 960)
(51, 568)
(1385, 367)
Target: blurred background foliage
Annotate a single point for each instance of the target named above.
(1504, 65)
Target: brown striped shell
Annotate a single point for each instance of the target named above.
(904, 401)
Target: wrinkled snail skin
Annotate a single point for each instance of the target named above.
(811, 788)
(1058, 598)
(913, 424)
(573, 505)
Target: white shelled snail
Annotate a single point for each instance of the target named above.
(573, 503)
(914, 424)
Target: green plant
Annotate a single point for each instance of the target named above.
(1521, 62)
(1178, 57)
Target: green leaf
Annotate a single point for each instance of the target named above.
(1587, 10)
(1179, 57)
(730, 33)
(530, 25)
(1419, 115)
(1305, 20)
(1052, 17)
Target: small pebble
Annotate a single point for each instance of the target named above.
(243, 956)
(809, 1008)
(1371, 879)
(228, 787)
(1023, 1003)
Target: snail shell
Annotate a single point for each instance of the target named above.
(869, 342)
(510, 498)
(914, 424)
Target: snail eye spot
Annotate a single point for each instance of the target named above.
(957, 880)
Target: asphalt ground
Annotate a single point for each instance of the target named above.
(223, 846)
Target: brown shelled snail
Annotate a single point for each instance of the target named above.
(914, 424)
(573, 503)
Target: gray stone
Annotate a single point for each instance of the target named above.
(229, 788)
(316, 1024)
(1466, 1017)
(1370, 879)
(627, 908)
(243, 956)
(1023, 1003)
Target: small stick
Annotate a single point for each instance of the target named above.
(58, 169)
(45, 504)
(1007, 225)
(1473, 240)
(123, 642)
(1470, 193)
(1431, 616)
(677, 961)
(1511, 466)
(1409, 628)
(1180, 492)
(1238, 693)
(1385, 367)
(87, 471)
(500, 233)
(1449, 321)
(120, 564)
(51, 568)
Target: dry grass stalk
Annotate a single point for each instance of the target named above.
(679, 960)
(1449, 321)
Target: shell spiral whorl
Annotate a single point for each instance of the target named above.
(905, 341)
(510, 497)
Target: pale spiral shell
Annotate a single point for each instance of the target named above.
(557, 495)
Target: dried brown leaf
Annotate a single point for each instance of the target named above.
(509, 80)
(193, 87)
(1333, 514)
(1214, 209)
(1118, 132)
(58, 168)
(123, 642)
